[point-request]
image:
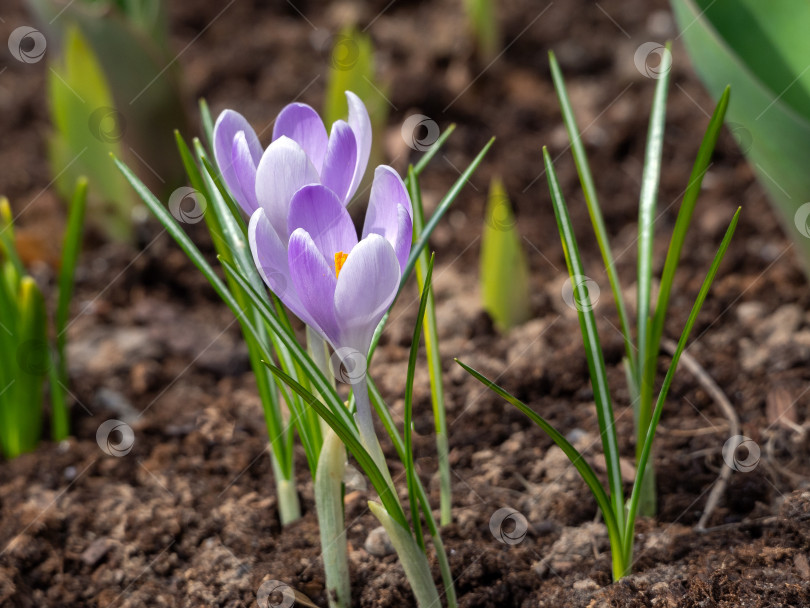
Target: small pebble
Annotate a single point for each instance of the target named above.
(378, 543)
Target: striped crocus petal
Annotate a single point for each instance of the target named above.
(237, 151)
(389, 213)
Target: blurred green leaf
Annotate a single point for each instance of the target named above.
(352, 69)
(761, 50)
(88, 129)
(504, 271)
(130, 41)
(484, 24)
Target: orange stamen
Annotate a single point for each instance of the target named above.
(340, 260)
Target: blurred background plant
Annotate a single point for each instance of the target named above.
(504, 269)
(29, 355)
(352, 68)
(761, 50)
(483, 20)
(114, 88)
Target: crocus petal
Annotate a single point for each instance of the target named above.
(340, 160)
(228, 125)
(389, 212)
(365, 289)
(283, 169)
(402, 244)
(361, 125)
(301, 123)
(270, 258)
(314, 281)
(319, 211)
(244, 168)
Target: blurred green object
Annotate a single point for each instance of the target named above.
(504, 271)
(352, 69)
(761, 49)
(484, 26)
(27, 354)
(129, 41)
(87, 129)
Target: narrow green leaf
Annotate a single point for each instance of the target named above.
(8, 249)
(594, 210)
(431, 331)
(444, 564)
(348, 435)
(32, 359)
(422, 241)
(646, 233)
(411, 555)
(410, 469)
(578, 460)
(70, 255)
(433, 150)
(504, 270)
(207, 123)
(684, 220)
(659, 406)
(447, 200)
(590, 337)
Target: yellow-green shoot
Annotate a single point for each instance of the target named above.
(504, 270)
(29, 356)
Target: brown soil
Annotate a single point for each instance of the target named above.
(188, 517)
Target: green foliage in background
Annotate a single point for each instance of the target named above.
(762, 50)
(27, 353)
(484, 25)
(125, 45)
(352, 68)
(504, 270)
(87, 129)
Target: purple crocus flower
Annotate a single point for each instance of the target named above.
(338, 285)
(301, 153)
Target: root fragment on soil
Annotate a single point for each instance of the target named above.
(717, 394)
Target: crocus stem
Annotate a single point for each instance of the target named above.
(329, 505)
(329, 493)
(289, 509)
(413, 560)
(319, 351)
(365, 424)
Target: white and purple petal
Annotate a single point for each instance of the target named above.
(361, 126)
(244, 169)
(389, 212)
(301, 123)
(340, 161)
(365, 289)
(283, 169)
(314, 281)
(271, 260)
(229, 124)
(319, 211)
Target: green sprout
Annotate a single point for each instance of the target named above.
(504, 269)
(29, 356)
(484, 25)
